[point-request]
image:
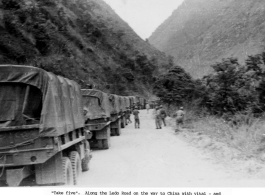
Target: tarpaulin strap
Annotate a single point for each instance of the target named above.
(20, 144)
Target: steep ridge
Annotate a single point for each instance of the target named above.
(202, 32)
(84, 40)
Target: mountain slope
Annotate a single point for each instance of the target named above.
(83, 40)
(201, 32)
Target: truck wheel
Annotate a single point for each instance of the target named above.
(106, 143)
(86, 159)
(76, 165)
(118, 132)
(100, 143)
(122, 122)
(118, 129)
(67, 171)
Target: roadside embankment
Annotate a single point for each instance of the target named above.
(239, 149)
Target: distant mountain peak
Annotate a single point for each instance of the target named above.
(202, 32)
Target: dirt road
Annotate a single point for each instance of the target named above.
(150, 157)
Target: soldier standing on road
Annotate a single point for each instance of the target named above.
(179, 118)
(136, 118)
(163, 115)
(158, 118)
(147, 106)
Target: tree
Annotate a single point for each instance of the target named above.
(174, 87)
(255, 66)
(228, 88)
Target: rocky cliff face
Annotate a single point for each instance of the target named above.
(202, 32)
(83, 40)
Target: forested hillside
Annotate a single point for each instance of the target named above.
(83, 40)
(202, 32)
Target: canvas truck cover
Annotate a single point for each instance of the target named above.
(133, 99)
(122, 103)
(96, 103)
(137, 99)
(127, 101)
(114, 103)
(141, 100)
(29, 94)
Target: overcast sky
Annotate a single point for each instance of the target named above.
(144, 16)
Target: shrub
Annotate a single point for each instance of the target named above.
(11, 4)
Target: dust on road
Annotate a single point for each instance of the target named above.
(150, 157)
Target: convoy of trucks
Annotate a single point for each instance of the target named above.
(97, 117)
(47, 125)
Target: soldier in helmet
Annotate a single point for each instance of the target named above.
(163, 115)
(136, 117)
(157, 117)
(179, 118)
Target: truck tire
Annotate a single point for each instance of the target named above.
(76, 165)
(106, 143)
(86, 159)
(118, 129)
(100, 144)
(122, 122)
(67, 171)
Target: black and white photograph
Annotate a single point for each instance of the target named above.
(158, 95)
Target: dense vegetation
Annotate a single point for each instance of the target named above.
(227, 106)
(232, 88)
(82, 40)
(217, 41)
(86, 41)
(174, 87)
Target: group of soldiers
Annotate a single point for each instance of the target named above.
(160, 116)
(133, 110)
(159, 113)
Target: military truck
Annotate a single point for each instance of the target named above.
(141, 103)
(42, 130)
(122, 111)
(97, 117)
(153, 102)
(127, 101)
(145, 102)
(115, 115)
(127, 105)
(133, 101)
(138, 102)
